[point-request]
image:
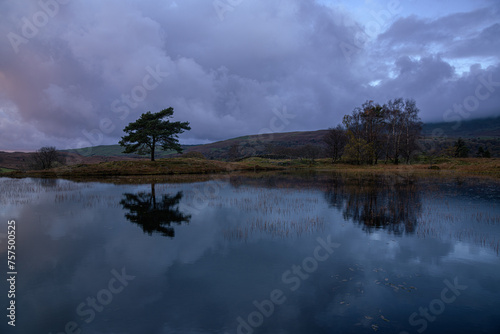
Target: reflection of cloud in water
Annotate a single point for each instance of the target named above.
(271, 212)
(62, 272)
(447, 208)
(389, 202)
(371, 275)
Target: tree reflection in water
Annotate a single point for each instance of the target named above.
(154, 216)
(392, 203)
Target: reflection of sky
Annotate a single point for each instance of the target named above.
(200, 282)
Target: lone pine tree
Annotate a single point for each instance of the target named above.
(151, 130)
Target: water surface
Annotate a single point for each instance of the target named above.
(273, 253)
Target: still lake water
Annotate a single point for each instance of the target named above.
(264, 254)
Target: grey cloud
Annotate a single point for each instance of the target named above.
(484, 44)
(224, 76)
(417, 35)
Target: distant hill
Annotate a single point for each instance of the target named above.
(479, 132)
(13, 160)
(476, 128)
(101, 150)
(256, 144)
(479, 128)
(476, 133)
(20, 160)
(259, 144)
(112, 151)
(251, 145)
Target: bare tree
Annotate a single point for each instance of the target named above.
(391, 130)
(335, 141)
(365, 126)
(372, 117)
(411, 128)
(393, 120)
(45, 158)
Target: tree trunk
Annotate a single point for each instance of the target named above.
(153, 150)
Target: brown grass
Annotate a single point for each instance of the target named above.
(182, 166)
(170, 166)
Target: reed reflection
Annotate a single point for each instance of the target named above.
(154, 216)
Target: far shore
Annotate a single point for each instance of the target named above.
(194, 166)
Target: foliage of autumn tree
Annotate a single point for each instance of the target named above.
(357, 151)
(387, 131)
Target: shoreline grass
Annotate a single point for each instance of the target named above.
(195, 166)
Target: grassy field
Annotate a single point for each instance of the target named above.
(5, 170)
(180, 166)
(463, 166)
(169, 166)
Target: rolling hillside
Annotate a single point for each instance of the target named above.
(112, 151)
(20, 160)
(254, 144)
(479, 132)
(476, 133)
(476, 128)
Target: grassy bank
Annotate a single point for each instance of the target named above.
(461, 166)
(182, 166)
(170, 166)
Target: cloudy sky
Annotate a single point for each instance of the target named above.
(73, 73)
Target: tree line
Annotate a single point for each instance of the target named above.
(375, 132)
(370, 134)
(460, 150)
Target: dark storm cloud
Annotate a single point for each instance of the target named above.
(86, 69)
(426, 54)
(440, 93)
